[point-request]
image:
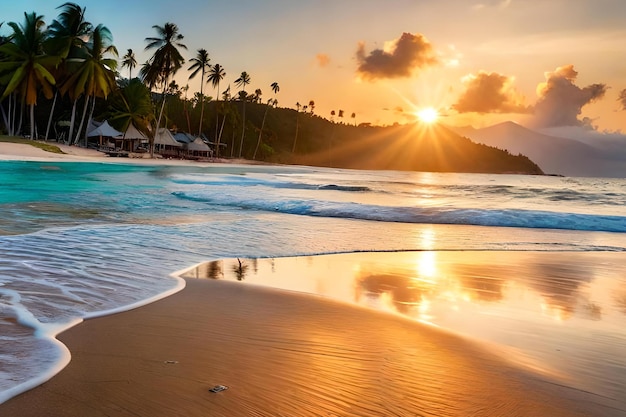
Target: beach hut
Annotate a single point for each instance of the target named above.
(131, 139)
(184, 138)
(198, 149)
(101, 131)
(166, 145)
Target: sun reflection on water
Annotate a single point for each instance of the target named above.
(541, 303)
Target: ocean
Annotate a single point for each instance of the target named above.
(81, 240)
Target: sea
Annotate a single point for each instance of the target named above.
(82, 239)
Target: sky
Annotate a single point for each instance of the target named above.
(547, 64)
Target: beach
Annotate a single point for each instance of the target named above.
(282, 354)
(287, 351)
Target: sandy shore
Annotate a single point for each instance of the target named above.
(25, 152)
(282, 354)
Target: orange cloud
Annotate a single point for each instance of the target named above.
(489, 92)
(561, 101)
(400, 58)
(322, 60)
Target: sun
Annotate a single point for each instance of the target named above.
(428, 115)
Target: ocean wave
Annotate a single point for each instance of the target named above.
(534, 219)
(244, 181)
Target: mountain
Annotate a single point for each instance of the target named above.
(555, 155)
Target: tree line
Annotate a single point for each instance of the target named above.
(55, 79)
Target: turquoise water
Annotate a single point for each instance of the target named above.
(79, 240)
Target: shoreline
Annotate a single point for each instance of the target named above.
(282, 353)
(24, 152)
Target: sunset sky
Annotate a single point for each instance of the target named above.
(537, 62)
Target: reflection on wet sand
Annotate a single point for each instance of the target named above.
(563, 310)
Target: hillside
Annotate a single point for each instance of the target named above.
(555, 155)
(324, 143)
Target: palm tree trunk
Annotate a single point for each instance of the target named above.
(93, 107)
(156, 132)
(72, 121)
(20, 125)
(54, 102)
(4, 117)
(232, 148)
(82, 120)
(11, 115)
(217, 112)
(243, 128)
(219, 137)
(32, 122)
(295, 139)
(258, 142)
(201, 107)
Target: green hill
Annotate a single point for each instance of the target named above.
(322, 142)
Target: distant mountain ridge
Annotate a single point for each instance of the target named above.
(555, 155)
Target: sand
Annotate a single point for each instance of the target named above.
(24, 152)
(283, 354)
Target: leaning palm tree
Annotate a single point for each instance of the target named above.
(200, 64)
(129, 62)
(243, 81)
(25, 66)
(70, 31)
(164, 63)
(215, 76)
(270, 103)
(93, 74)
(67, 37)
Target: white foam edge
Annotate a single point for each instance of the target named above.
(50, 332)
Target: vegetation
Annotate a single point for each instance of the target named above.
(44, 146)
(64, 75)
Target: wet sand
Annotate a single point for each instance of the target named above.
(283, 354)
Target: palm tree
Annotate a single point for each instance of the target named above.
(340, 114)
(270, 102)
(67, 37)
(132, 104)
(353, 117)
(129, 62)
(92, 73)
(200, 64)
(312, 106)
(70, 31)
(25, 66)
(215, 76)
(257, 95)
(275, 87)
(295, 139)
(164, 63)
(242, 81)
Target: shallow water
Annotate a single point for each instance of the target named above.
(84, 239)
(559, 314)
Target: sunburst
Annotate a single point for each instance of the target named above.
(428, 115)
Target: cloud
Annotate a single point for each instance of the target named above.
(322, 60)
(561, 101)
(399, 59)
(622, 98)
(489, 92)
